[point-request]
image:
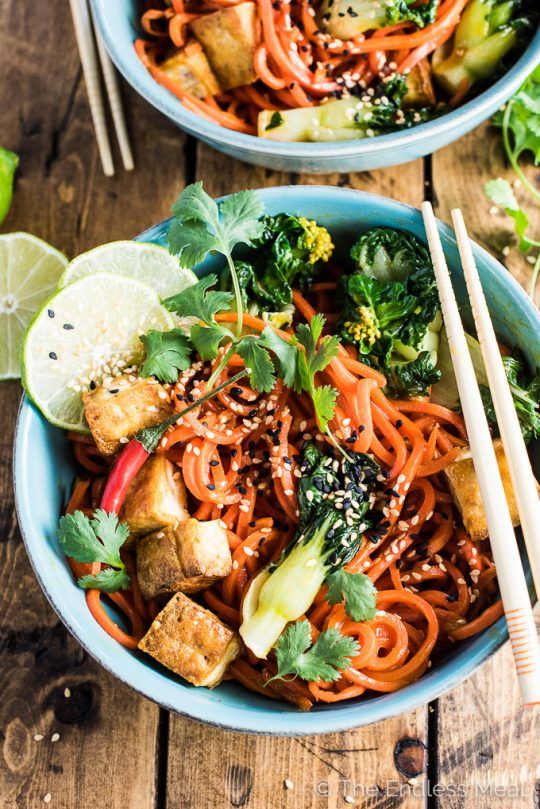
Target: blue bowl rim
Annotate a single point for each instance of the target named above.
(471, 113)
(241, 718)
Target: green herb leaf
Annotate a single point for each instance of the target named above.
(314, 359)
(295, 655)
(276, 120)
(80, 538)
(201, 226)
(258, 361)
(500, 192)
(109, 580)
(356, 590)
(206, 339)
(197, 301)
(167, 352)
(324, 399)
(285, 352)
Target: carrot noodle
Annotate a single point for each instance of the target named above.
(296, 63)
(238, 455)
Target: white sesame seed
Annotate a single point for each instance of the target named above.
(124, 440)
(47, 798)
(461, 581)
(55, 737)
(248, 551)
(196, 451)
(288, 784)
(38, 737)
(416, 576)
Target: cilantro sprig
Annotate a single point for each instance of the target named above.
(520, 124)
(322, 660)
(312, 360)
(356, 591)
(96, 540)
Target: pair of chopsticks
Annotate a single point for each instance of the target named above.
(88, 36)
(511, 578)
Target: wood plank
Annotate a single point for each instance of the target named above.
(484, 736)
(488, 744)
(108, 734)
(241, 770)
(459, 174)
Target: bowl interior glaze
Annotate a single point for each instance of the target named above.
(44, 469)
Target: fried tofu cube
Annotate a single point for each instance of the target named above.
(463, 486)
(156, 498)
(122, 408)
(189, 68)
(188, 557)
(191, 641)
(419, 86)
(229, 38)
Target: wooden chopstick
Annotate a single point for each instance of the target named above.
(521, 473)
(510, 575)
(85, 31)
(115, 102)
(87, 52)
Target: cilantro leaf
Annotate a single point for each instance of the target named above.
(500, 192)
(324, 402)
(109, 580)
(321, 661)
(167, 352)
(356, 590)
(200, 225)
(206, 339)
(80, 538)
(258, 361)
(197, 301)
(286, 353)
(318, 352)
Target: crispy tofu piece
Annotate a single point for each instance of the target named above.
(156, 498)
(229, 38)
(463, 486)
(191, 641)
(189, 68)
(420, 92)
(188, 557)
(122, 409)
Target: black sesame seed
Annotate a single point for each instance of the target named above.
(252, 413)
(452, 597)
(242, 489)
(361, 428)
(351, 12)
(68, 326)
(252, 524)
(179, 397)
(52, 355)
(399, 423)
(50, 312)
(114, 390)
(190, 397)
(234, 453)
(236, 391)
(92, 385)
(351, 439)
(214, 463)
(210, 486)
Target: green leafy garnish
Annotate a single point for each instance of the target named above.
(167, 353)
(356, 590)
(258, 364)
(276, 120)
(314, 359)
(323, 660)
(519, 120)
(286, 354)
(96, 540)
(201, 226)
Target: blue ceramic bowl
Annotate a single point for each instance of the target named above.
(119, 26)
(44, 471)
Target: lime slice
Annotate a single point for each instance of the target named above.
(87, 332)
(29, 272)
(8, 166)
(145, 262)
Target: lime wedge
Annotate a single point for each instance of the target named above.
(29, 272)
(145, 262)
(88, 332)
(8, 166)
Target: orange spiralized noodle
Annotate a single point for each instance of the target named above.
(238, 455)
(296, 63)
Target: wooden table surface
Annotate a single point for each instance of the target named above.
(99, 744)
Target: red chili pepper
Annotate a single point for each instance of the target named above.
(127, 465)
